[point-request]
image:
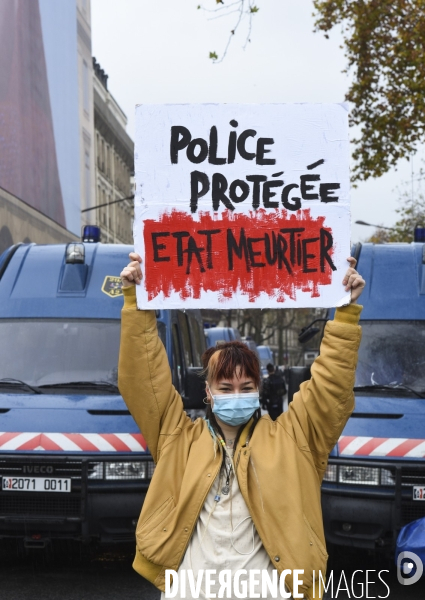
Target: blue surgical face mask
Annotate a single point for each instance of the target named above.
(235, 409)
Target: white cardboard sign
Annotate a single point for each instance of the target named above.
(242, 206)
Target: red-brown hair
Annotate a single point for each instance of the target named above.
(222, 362)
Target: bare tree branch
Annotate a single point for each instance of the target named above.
(245, 8)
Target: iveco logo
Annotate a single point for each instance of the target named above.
(37, 469)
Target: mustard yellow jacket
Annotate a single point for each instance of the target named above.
(279, 469)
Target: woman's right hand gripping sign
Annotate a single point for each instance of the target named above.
(132, 273)
(353, 281)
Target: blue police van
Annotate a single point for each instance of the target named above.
(73, 464)
(375, 480)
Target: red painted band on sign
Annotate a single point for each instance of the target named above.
(277, 253)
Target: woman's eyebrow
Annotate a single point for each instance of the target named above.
(227, 384)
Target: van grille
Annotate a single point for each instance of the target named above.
(71, 469)
(412, 476)
(39, 504)
(410, 511)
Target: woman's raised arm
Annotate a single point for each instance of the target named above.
(324, 403)
(144, 376)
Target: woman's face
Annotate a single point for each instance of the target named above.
(239, 384)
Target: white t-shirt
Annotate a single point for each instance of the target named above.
(224, 538)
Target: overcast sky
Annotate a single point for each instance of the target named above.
(156, 51)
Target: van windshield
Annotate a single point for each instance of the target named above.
(51, 351)
(392, 353)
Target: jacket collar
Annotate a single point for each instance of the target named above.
(243, 437)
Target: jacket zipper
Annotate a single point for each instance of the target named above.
(249, 508)
(205, 497)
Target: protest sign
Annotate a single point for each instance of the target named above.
(242, 206)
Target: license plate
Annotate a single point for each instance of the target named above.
(419, 492)
(35, 484)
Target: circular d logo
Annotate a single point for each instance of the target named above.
(409, 568)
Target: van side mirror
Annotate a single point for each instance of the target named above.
(307, 335)
(296, 376)
(308, 331)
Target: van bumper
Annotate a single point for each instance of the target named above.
(357, 522)
(109, 518)
(370, 517)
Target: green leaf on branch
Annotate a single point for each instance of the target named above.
(213, 55)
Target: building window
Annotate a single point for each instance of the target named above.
(86, 104)
(98, 150)
(87, 178)
(103, 156)
(108, 167)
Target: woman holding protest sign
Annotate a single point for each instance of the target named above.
(234, 502)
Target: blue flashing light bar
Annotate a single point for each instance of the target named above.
(91, 233)
(420, 234)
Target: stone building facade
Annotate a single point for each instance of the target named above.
(90, 153)
(114, 165)
(20, 222)
(86, 109)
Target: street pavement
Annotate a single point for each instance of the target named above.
(71, 574)
(75, 573)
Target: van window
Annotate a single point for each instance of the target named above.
(162, 332)
(177, 360)
(185, 336)
(197, 346)
(392, 353)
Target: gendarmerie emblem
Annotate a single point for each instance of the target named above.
(112, 286)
